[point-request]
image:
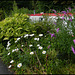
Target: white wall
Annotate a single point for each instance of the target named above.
(53, 18)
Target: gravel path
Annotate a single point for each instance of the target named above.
(3, 68)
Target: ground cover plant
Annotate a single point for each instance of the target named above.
(43, 47)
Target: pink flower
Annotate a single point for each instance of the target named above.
(69, 8)
(72, 35)
(74, 41)
(67, 11)
(70, 19)
(49, 46)
(47, 31)
(55, 23)
(64, 12)
(57, 29)
(73, 49)
(63, 18)
(54, 11)
(52, 35)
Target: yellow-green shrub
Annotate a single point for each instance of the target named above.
(15, 26)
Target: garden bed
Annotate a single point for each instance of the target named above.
(42, 47)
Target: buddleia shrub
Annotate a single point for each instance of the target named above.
(64, 38)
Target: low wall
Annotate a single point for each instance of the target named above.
(51, 16)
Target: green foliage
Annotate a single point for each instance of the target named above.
(15, 26)
(21, 33)
(1, 15)
(25, 10)
(64, 39)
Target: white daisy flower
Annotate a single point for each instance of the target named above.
(22, 45)
(45, 35)
(44, 52)
(18, 39)
(30, 45)
(38, 44)
(11, 61)
(26, 35)
(9, 66)
(40, 47)
(64, 22)
(13, 50)
(31, 53)
(7, 48)
(40, 34)
(67, 18)
(19, 65)
(72, 17)
(8, 53)
(65, 26)
(35, 38)
(15, 41)
(16, 49)
(8, 44)
(31, 35)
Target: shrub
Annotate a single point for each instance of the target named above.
(16, 26)
(29, 51)
(37, 48)
(64, 38)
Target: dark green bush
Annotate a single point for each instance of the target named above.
(1, 15)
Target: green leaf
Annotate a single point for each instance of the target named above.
(6, 38)
(19, 28)
(15, 39)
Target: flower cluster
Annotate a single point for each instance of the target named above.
(12, 61)
(36, 39)
(73, 47)
(8, 44)
(15, 50)
(17, 39)
(26, 35)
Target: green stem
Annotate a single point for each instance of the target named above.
(39, 62)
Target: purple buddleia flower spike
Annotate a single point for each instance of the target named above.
(74, 41)
(67, 11)
(47, 31)
(57, 29)
(54, 11)
(49, 46)
(64, 12)
(69, 8)
(63, 18)
(55, 23)
(73, 49)
(52, 35)
(70, 19)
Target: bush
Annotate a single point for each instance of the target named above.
(37, 48)
(63, 41)
(16, 26)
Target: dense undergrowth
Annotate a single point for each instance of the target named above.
(38, 48)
